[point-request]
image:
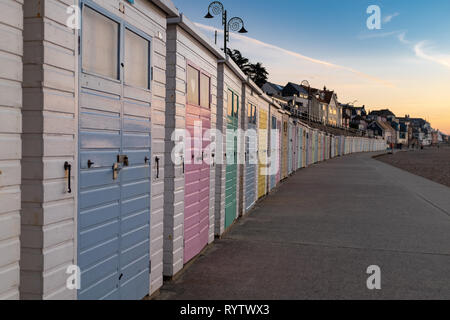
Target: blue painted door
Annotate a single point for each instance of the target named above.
(231, 170)
(251, 160)
(114, 159)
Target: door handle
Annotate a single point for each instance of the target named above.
(116, 169)
(157, 167)
(182, 159)
(68, 170)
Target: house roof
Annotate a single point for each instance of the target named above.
(272, 86)
(297, 88)
(382, 125)
(325, 96)
(382, 113)
(385, 126)
(328, 96)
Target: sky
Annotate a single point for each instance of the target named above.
(404, 66)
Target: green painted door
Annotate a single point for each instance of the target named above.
(231, 160)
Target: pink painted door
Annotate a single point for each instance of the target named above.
(196, 168)
(205, 117)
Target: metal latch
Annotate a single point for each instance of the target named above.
(123, 159)
(117, 167)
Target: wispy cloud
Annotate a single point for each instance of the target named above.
(420, 50)
(402, 38)
(389, 18)
(260, 45)
(373, 34)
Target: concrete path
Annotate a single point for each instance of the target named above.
(315, 237)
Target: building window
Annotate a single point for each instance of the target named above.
(251, 114)
(235, 105)
(100, 44)
(137, 66)
(193, 90)
(205, 90)
(230, 103)
(198, 88)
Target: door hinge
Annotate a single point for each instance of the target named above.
(151, 73)
(150, 266)
(79, 45)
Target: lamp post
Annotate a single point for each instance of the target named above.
(234, 24)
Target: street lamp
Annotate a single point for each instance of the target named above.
(235, 24)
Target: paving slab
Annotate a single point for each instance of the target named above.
(317, 234)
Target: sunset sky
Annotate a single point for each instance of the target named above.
(405, 66)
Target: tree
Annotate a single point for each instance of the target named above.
(257, 72)
(237, 57)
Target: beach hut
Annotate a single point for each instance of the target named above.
(300, 142)
(250, 116)
(316, 146)
(280, 113)
(304, 145)
(297, 151)
(285, 145)
(100, 94)
(263, 149)
(190, 172)
(275, 120)
(229, 106)
(11, 71)
(290, 145)
(307, 148)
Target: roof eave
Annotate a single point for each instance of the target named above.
(191, 29)
(167, 6)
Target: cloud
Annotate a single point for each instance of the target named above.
(441, 59)
(420, 48)
(280, 52)
(374, 34)
(389, 18)
(402, 38)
